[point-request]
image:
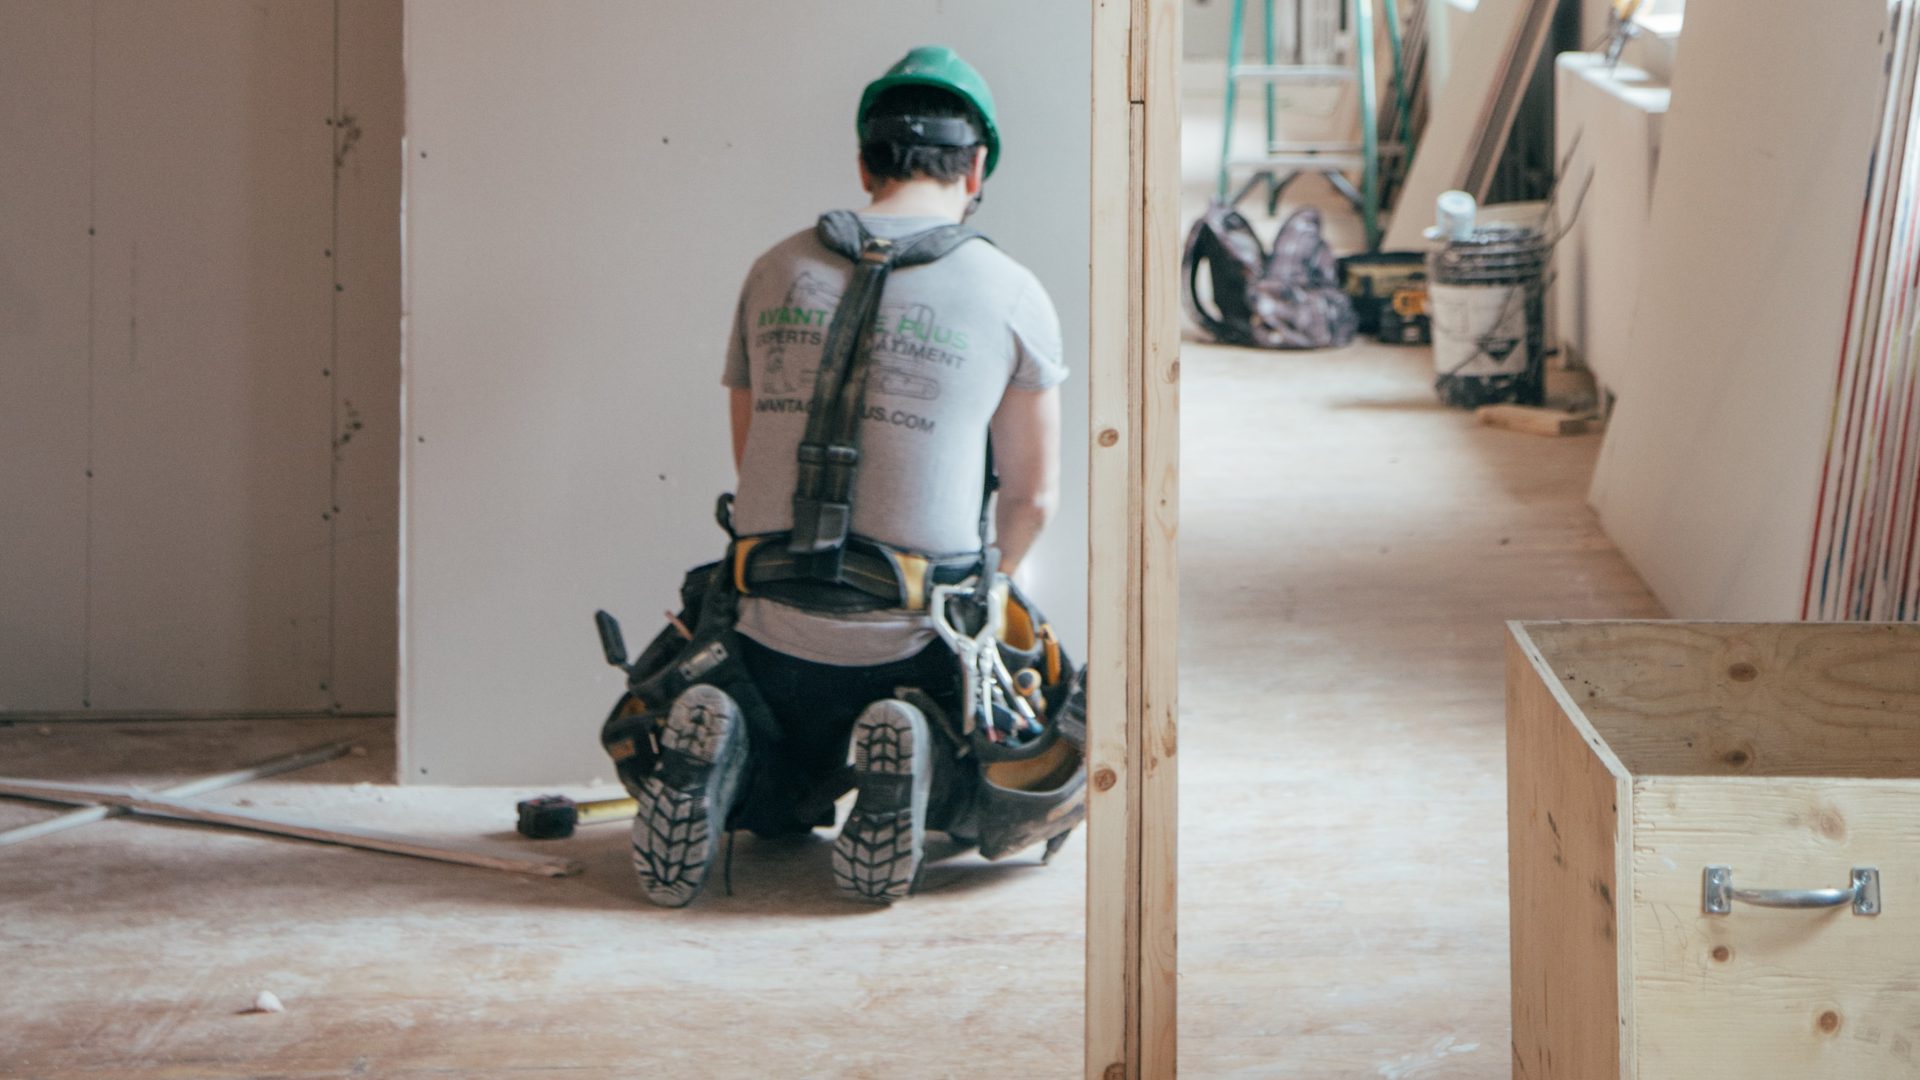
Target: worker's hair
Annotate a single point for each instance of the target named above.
(901, 161)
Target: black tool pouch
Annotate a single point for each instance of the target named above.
(1028, 641)
(671, 663)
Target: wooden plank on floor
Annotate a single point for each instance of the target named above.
(158, 805)
(1533, 419)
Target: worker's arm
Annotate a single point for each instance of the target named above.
(740, 401)
(1026, 452)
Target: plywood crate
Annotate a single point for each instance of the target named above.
(1641, 753)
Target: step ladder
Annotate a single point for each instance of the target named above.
(1283, 162)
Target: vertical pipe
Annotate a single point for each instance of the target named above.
(1234, 27)
(1402, 102)
(1369, 122)
(1266, 53)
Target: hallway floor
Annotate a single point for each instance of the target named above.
(1349, 550)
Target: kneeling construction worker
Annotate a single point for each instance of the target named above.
(887, 369)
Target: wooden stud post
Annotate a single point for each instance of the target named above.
(1133, 514)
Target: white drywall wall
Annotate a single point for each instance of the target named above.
(179, 533)
(587, 185)
(1607, 121)
(1709, 477)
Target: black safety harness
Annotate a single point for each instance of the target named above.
(821, 564)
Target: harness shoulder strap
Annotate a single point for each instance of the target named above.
(933, 244)
(829, 454)
(843, 233)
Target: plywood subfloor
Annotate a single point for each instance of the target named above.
(1349, 552)
(131, 947)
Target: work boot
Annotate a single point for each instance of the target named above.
(685, 800)
(877, 857)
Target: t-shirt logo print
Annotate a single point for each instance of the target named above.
(910, 345)
(801, 319)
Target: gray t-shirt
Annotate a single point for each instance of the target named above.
(951, 337)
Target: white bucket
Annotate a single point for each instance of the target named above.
(1478, 330)
(1484, 301)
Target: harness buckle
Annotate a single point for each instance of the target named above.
(822, 504)
(819, 527)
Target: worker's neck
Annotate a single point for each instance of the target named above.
(920, 198)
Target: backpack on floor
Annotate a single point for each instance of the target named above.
(1289, 298)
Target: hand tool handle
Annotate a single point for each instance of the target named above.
(606, 810)
(612, 642)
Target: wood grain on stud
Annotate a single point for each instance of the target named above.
(1112, 913)
(1132, 525)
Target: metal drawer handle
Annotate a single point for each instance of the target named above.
(1864, 894)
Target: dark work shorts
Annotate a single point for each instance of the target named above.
(791, 783)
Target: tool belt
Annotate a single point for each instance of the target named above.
(1019, 793)
(698, 646)
(1026, 790)
(867, 576)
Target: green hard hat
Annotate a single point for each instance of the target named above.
(941, 67)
